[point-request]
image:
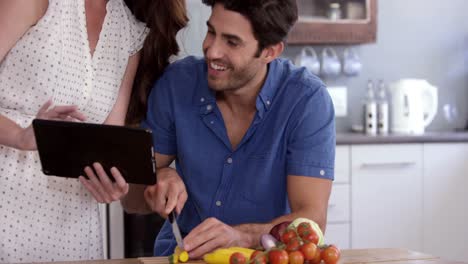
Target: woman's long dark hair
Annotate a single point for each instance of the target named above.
(164, 18)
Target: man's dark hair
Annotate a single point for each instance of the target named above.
(271, 20)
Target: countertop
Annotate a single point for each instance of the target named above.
(429, 137)
(351, 256)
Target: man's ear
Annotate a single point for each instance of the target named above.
(272, 52)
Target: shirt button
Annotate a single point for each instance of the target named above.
(268, 102)
(322, 172)
(202, 99)
(229, 160)
(209, 107)
(211, 122)
(218, 203)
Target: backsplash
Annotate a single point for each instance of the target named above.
(425, 39)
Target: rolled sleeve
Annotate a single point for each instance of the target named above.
(160, 118)
(311, 148)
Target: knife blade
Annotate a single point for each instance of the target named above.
(175, 229)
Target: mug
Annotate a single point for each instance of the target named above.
(331, 65)
(352, 65)
(308, 59)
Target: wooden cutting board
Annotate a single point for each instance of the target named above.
(354, 256)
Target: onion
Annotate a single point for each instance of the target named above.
(278, 230)
(268, 241)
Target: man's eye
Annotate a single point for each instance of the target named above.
(232, 43)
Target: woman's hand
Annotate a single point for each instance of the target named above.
(25, 139)
(101, 187)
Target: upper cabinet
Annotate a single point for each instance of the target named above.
(335, 22)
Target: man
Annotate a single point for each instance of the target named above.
(253, 136)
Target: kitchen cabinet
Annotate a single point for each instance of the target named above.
(319, 23)
(338, 220)
(386, 196)
(446, 200)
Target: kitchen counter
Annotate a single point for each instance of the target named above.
(351, 256)
(430, 137)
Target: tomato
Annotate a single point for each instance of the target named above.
(294, 244)
(278, 256)
(304, 228)
(317, 259)
(330, 255)
(288, 235)
(237, 258)
(258, 257)
(296, 257)
(309, 250)
(311, 237)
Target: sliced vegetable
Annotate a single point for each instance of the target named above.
(268, 241)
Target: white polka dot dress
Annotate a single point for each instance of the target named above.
(44, 218)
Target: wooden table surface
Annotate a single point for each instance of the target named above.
(352, 256)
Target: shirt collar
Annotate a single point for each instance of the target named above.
(205, 96)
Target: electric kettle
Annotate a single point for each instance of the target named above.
(413, 105)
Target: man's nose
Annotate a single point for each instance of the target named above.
(214, 50)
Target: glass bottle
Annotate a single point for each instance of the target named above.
(370, 110)
(382, 109)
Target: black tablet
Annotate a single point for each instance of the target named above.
(66, 148)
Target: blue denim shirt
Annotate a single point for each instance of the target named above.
(293, 133)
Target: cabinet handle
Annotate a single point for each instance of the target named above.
(388, 165)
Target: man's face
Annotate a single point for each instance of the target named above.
(230, 48)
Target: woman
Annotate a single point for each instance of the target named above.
(81, 55)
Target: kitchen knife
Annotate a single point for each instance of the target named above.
(175, 229)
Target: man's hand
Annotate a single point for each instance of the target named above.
(168, 193)
(212, 234)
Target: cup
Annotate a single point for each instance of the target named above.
(331, 65)
(308, 59)
(352, 65)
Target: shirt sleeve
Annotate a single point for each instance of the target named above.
(138, 33)
(311, 142)
(160, 117)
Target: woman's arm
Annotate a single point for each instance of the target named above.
(119, 111)
(16, 17)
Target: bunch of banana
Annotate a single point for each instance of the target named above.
(222, 255)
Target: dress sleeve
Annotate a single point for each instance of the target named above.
(138, 33)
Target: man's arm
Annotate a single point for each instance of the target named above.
(134, 201)
(308, 197)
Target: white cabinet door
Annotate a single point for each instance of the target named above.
(338, 226)
(446, 200)
(386, 196)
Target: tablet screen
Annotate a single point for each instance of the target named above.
(66, 148)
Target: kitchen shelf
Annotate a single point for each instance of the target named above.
(312, 29)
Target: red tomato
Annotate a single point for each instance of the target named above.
(288, 235)
(278, 256)
(309, 250)
(237, 258)
(294, 244)
(311, 237)
(304, 229)
(330, 255)
(317, 259)
(258, 257)
(296, 257)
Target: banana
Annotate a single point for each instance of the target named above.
(222, 255)
(179, 255)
